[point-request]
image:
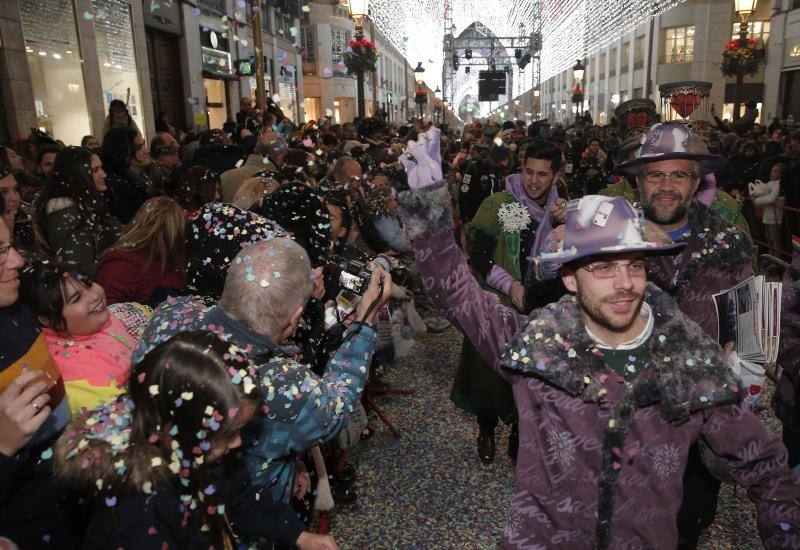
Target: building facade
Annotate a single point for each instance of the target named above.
(329, 91)
(683, 43)
(63, 61)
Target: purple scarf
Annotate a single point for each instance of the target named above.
(538, 213)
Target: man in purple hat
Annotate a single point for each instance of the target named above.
(613, 383)
(669, 168)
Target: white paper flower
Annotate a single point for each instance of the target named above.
(513, 217)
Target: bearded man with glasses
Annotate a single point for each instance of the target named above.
(670, 167)
(613, 383)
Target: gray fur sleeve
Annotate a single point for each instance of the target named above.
(426, 211)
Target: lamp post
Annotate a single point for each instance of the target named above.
(418, 76)
(744, 9)
(577, 74)
(358, 11)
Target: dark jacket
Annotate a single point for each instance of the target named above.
(601, 462)
(147, 513)
(124, 278)
(786, 401)
(36, 511)
(126, 193)
(718, 256)
(75, 241)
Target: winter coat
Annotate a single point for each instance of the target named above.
(72, 239)
(123, 277)
(601, 462)
(786, 400)
(35, 510)
(304, 409)
(767, 196)
(127, 192)
(141, 507)
(718, 256)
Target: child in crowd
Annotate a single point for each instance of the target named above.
(770, 196)
(91, 346)
(158, 460)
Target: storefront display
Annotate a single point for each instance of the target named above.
(54, 60)
(115, 53)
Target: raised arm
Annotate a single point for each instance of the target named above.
(427, 216)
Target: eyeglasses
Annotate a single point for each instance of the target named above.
(674, 177)
(609, 270)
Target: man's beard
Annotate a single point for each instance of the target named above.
(593, 309)
(653, 214)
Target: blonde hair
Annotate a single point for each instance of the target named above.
(159, 229)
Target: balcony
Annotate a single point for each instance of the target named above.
(216, 6)
(677, 57)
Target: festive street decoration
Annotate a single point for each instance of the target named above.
(577, 94)
(741, 55)
(686, 102)
(361, 55)
(421, 96)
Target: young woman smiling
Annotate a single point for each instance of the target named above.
(91, 346)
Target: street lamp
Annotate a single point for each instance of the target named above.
(418, 73)
(419, 77)
(358, 11)
(577, 73)
(744, 9)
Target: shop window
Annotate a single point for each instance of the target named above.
(313, 108)
(115, 53)
(755, 29)
(54, 60)
(679, 45)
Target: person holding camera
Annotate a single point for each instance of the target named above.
(266, 290)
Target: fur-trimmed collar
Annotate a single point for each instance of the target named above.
(711, 238)
(686, 372)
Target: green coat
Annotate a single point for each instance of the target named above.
(477, 388)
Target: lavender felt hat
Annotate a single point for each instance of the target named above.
(671, 141)
(598, 224)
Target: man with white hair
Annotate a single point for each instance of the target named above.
(266, 289)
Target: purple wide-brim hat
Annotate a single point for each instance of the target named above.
(597, 225)
(671, 141)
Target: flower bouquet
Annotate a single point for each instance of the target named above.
(577, 94)
(361, 55)
(741, 55)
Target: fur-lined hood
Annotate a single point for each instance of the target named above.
(712, 239)
(687, 371)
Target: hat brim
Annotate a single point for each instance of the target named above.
(708, 163)
(646, 248)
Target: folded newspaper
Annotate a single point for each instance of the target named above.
(749, 315)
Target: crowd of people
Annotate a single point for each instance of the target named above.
(188, 327)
